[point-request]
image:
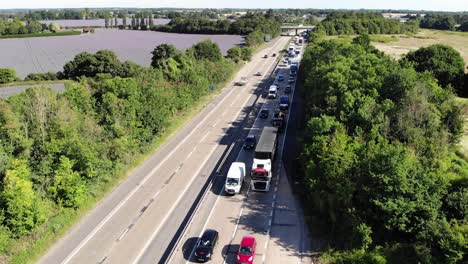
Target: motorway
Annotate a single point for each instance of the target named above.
(140, 218)
(274, 218)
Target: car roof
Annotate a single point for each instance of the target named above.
(247, 241)
(209, 234)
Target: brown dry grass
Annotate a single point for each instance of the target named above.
(457, 40)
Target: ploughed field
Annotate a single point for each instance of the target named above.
(49, 54)
(96, 22)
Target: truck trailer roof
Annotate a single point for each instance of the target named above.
(267, 142)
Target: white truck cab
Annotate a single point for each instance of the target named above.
(235, 178)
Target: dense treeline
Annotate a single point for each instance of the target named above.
(441, 22)
(349, 23)
(57, 149)
(21, 27)
(254, 25)
(379, 157)
(445, 22)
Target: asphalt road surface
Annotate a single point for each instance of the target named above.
(274, 218)
(12, 90)
(138, 221)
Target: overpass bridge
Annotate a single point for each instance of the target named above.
(297, 29)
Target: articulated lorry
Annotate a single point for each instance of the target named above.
(263, 159)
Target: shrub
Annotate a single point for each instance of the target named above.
(7, 75)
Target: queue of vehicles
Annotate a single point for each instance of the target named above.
(262, 166)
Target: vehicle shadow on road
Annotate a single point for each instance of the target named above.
(188, 247)
(229, 253)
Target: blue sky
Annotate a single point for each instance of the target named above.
(446, 5)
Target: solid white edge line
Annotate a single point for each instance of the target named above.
(186, 188)
(149, 175)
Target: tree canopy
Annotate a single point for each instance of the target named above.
(443, 61)
(379, 157)
(58, 149)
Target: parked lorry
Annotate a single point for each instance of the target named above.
(263, 159)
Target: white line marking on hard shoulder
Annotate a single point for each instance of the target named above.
(109, 216)
(187, 186)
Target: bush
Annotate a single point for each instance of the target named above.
(7, 75)
(48, 76)
(444, 62)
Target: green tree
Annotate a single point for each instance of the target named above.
(54, 27)
(34, 26)
(247, 53)
(22, 207)
(235, 54)
(444, 62)
(162, 53)
(68, 189)
(207, 49)
(7, 75)
(90, 65)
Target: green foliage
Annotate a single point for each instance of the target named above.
(463, 27)
(207, 49)
(21, 205)
(438, 21)
(68, 189)
(43, 34)
(254, 25)
(235, 54)
(162, 53)
(48, 76)
(444, 62)
(354, 257)
(7, 75)
(350, 23)
(247, 53)
(5, 238)
(378, 156)
(64, 147)
(89, 65)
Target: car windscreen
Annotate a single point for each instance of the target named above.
(246, 251)
(232, 181)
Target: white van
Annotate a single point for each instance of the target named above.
(272, 92)
(235, 178)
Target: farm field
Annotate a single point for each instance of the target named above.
(96, 22)
(36, 55)
(396, 49)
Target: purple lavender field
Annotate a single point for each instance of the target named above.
(49, 54)
(96, 22)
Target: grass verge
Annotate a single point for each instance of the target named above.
(31, 248)
(39, 35)
(383, 38)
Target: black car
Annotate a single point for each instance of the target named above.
(250, 142)
(204, 247)
(287, 90)
(264, 113)
(274, 55)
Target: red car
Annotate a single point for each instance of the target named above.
(246, 252)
